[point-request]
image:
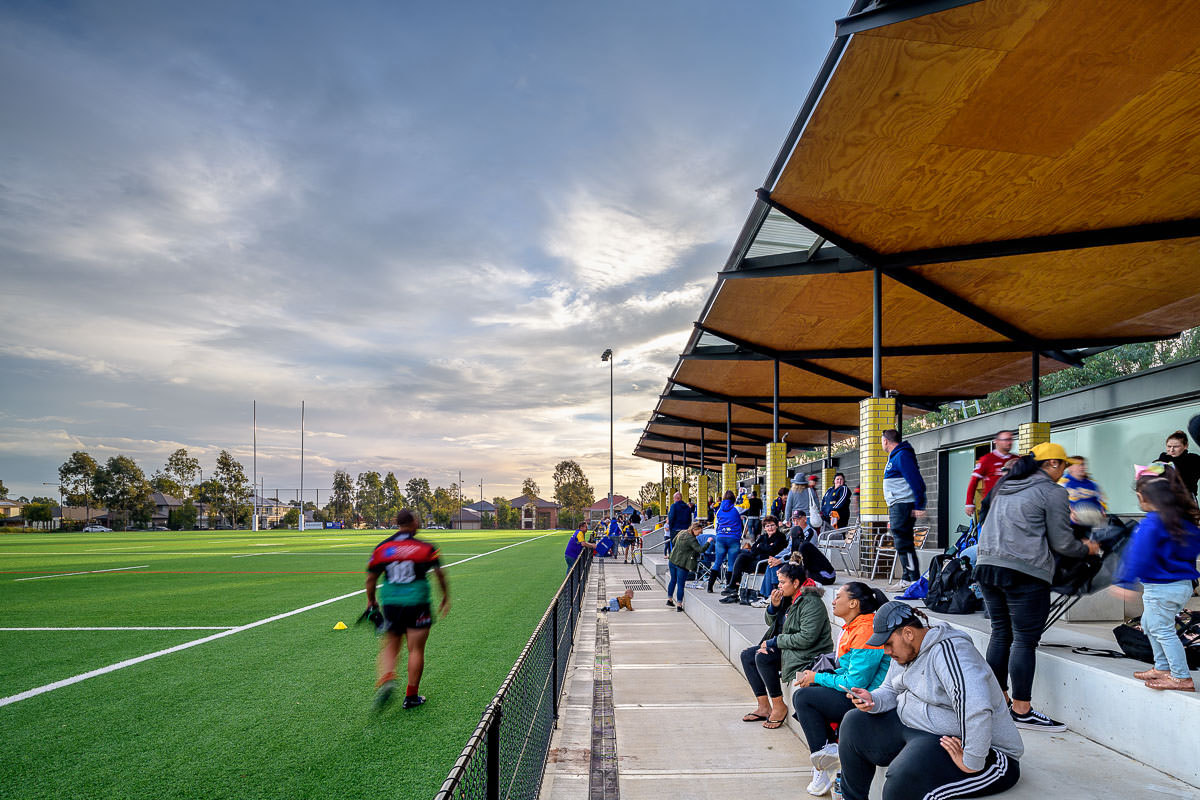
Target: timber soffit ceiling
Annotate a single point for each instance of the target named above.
(1025, 176)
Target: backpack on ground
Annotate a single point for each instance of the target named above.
(950, 578)
(1134, 642)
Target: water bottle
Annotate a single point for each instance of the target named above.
(837, 786)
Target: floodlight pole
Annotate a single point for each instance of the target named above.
(254, 479)
(300, 524)
(607, 355)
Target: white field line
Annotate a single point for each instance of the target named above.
(133, 628)
(252, 555)
(88, 572)
(129, 662)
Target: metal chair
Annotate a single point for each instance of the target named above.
(919, 535)
(840, 541)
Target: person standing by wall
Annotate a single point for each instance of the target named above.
(1029, 521)
(988, 470)
(835, 505)
(678, 518)
(904, 493)
(1178, 456)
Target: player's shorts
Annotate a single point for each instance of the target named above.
(408, 617)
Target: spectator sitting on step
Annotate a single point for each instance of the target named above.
(767, 544)
(797, 633)
(938, 721)
(820, 699)
(800, 548)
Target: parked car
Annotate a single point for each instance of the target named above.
(160, 528)
(96, 529)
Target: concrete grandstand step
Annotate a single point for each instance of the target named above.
(1130, 738)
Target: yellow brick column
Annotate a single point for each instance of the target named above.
(702, 496)
(875, 415)
(663, 505)
(685, 487)
(728, 479)
(776, 472)
(827, 474)
(1031, 434)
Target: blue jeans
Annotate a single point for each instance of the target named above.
(678, 579)
(1161, 602)
(728, 548)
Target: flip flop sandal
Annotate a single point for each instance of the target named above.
(753, 718)
(772, 724)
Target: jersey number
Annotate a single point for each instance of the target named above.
(401, 572)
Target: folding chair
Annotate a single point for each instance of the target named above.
(840, 541)
(919, 535)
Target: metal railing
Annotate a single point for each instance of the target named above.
(506, 755)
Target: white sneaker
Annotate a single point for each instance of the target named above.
(821, 783)
(826, 759)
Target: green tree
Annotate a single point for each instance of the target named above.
(529, 488)
(184, 517)
(161, 482)
(444, 502)
(506, 515)
(369, 497)
(40, 510)
(181, 469)
(341, 502)
(290, 517)
(393, 498)
(572, 491)
(3, 491)
(122, 486)
(78, 478)
(648, 497)
(233, 488)
(418, 496)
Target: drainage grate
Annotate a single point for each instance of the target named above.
(602, 783)
(638, 585)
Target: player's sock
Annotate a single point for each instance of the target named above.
(412, 690)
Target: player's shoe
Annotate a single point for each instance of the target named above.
(413, 700)
(382, 695)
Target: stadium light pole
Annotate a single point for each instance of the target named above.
(607, 355)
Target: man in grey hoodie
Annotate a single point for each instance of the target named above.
(938, 722)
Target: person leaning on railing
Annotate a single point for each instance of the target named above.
(683, 560)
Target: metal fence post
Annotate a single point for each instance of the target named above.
(554, 659)
(493, 755)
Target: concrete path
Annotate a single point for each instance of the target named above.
(677, 704)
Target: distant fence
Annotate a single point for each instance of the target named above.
(506, 755)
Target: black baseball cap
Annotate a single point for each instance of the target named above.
(890, 616)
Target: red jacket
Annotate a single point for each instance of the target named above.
(987, 469)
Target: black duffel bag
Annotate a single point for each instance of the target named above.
(1134, 642)
(950, 578)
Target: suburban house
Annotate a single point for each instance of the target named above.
(536, 513)
(598, 510)
(10, 513)
(466, 519)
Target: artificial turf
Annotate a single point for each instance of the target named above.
(279, 710)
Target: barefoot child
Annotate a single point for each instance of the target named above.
(1162, 555)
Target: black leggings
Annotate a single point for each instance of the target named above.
(917, 766)
(817, 709)
(762, 671)
(1018, 613)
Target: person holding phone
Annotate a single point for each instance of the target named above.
(939, 721)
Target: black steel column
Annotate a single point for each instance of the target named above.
(1035, 388)
(493, 755)
(876, 332)
(775, 407)
(728, 432)
(554, 660)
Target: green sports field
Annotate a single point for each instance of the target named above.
(279, 709)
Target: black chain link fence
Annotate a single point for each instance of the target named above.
(506, 755)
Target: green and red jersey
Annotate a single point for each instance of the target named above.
(403, 560)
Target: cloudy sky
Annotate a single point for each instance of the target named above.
(425, 220)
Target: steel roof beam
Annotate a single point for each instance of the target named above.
(763, 407)
(888, 13)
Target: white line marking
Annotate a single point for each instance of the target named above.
(129, 662)
(252, 555)
(89, 572)
(128, 628)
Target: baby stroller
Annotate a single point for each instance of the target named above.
(1076, 577)
(704, 565)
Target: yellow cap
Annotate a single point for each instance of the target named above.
(1048, 450)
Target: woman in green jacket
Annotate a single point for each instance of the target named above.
(798, 632)
(684, 554)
